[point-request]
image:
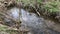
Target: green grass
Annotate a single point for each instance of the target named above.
(3, 27)
(52, 6)
(29, 1)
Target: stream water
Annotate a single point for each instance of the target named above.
(31, 21)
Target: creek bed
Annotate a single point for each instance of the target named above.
(35, 24)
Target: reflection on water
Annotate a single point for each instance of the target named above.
(31, 21)
(14, 12)
(35, 23)
(13, 16)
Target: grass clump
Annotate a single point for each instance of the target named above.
(52, 6)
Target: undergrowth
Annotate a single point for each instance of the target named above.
(52, 6)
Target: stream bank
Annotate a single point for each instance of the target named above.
(31, 21)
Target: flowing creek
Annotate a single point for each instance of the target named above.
(31, 22)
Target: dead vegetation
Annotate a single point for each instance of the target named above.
(7, 4)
